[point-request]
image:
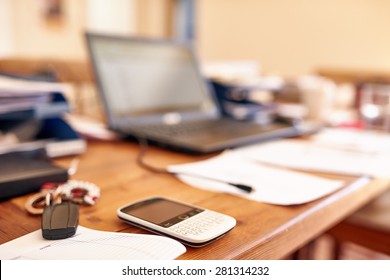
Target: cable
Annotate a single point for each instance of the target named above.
(141, 162)
(143, 143)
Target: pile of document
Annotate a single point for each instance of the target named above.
(31, 99)
(31, 116)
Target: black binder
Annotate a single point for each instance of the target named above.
(21, 173)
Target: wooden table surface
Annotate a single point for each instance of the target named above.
(263, 231)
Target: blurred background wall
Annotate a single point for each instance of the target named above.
(292, 37)
(285, 37)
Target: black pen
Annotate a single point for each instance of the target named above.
(140, 160)
(245, 188)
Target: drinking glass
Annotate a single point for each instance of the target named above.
(375, 106)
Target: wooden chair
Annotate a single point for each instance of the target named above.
(369, 227)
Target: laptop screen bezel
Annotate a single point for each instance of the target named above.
(210, 111)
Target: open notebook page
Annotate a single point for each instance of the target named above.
(90, 244)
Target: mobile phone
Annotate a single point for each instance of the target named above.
(189, 224)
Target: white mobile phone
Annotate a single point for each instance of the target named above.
(187, 223)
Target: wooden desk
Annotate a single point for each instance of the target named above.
(263, 231)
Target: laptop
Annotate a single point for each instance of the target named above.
(153, 89)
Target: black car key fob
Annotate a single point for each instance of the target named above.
(60, 221)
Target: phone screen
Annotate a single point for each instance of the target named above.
(161, 212)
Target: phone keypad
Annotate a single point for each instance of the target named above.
(198, 224)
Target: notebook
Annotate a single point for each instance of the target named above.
(153, 89)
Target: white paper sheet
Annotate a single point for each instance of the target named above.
(90, 244)
(354, 140)
(343, 152)
(272, 185)
(13, 87)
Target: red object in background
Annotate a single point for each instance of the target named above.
(355, 124)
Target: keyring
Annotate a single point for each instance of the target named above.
(37, 202)
(81, 192)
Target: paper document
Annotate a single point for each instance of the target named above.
(90, 244)
(19, 95)
(272, 185)
(354, 140)
(14, 87)
(335, 151)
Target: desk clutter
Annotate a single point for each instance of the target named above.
(265, 168)
(247, 223)
(32, 131)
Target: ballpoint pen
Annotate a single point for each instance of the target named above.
(243, 187)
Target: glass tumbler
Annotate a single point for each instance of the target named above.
(375, 106)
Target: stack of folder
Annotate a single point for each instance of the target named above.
(31, 116)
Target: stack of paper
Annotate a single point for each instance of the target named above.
(22, 98)
(31, 118)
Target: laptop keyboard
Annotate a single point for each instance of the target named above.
(182, 129)
(208, 126)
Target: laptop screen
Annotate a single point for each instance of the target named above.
(142, 80)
